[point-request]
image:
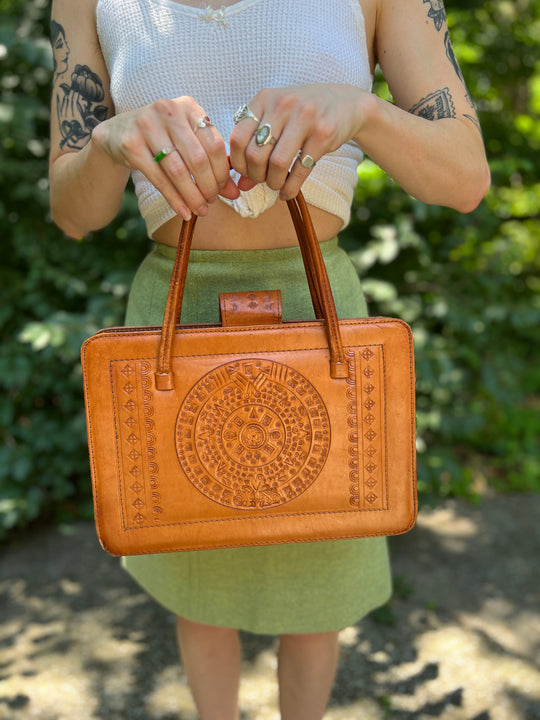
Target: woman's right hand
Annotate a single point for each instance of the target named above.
(193, 173)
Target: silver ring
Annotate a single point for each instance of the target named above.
(263, 135)
(243, 113)
(203, 123)
(307, 161)
(158, 157)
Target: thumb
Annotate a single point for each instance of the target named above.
(246, 183)
(229, 190)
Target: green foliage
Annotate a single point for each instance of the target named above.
(55, 292)
(467, 284)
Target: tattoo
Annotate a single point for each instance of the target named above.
(436, 12)
(474, 121)
(451, 56)
(440, 104)
(60, 48)
(77, 100)
(437, 105)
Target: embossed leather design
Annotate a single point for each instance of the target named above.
(236, 435)
(250, 308)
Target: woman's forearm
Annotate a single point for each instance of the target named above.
(439, 162)
(86, 190)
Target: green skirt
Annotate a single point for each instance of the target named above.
(294, 588)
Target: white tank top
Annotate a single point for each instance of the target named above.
(163, 49)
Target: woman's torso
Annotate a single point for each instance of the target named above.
(223, 227)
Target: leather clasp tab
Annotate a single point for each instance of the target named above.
(261, 307)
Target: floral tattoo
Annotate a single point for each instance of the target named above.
(78, 98)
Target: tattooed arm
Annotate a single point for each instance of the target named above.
(86, 186)
(429, 140)
(93, 149)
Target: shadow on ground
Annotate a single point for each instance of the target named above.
(460, 639)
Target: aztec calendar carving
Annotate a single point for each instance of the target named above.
(252, 434)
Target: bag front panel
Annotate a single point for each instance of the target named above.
(253, 447)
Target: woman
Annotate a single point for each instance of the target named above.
(225, 109)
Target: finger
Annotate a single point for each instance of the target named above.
(164, 128)
(264, 142)
(230, 190)
(171, 177)
(175, 169)
(214, 146)
(241, 135)
(245, 183)
(191, 169)
(300, 171)
(200, 166)
(282, 160)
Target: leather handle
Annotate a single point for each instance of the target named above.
(317, 277)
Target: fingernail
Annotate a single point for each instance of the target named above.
(283, 196)
(186, 215)
(202, 210)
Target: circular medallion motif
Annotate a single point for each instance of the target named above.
(252, 434)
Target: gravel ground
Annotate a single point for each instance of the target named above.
(460, 639)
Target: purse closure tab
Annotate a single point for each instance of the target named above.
(260, 307)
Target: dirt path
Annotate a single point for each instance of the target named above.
(459, 641)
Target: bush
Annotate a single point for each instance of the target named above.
(55, 291)
(469, 284)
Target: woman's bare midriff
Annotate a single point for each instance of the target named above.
(223, 229)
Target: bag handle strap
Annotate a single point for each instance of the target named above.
(317, 277)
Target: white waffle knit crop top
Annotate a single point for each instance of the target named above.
(162, 49)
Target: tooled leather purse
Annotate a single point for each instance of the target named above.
(254, 431)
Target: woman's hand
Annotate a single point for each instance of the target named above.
(310, 120)
(194, 167)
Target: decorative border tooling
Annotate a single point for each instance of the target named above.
(137, 449)
(365, 396)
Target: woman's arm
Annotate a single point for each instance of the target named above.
(429, 141)
(86, 186)
(93, 150)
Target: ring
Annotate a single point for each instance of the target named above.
(202, 123)
(263, 135)
(307, 161)
(163, 153)
(243, 113)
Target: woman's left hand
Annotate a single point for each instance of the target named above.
(304, 123)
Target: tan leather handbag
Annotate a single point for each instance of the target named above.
(251, 432)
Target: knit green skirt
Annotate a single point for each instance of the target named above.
(294, 588)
